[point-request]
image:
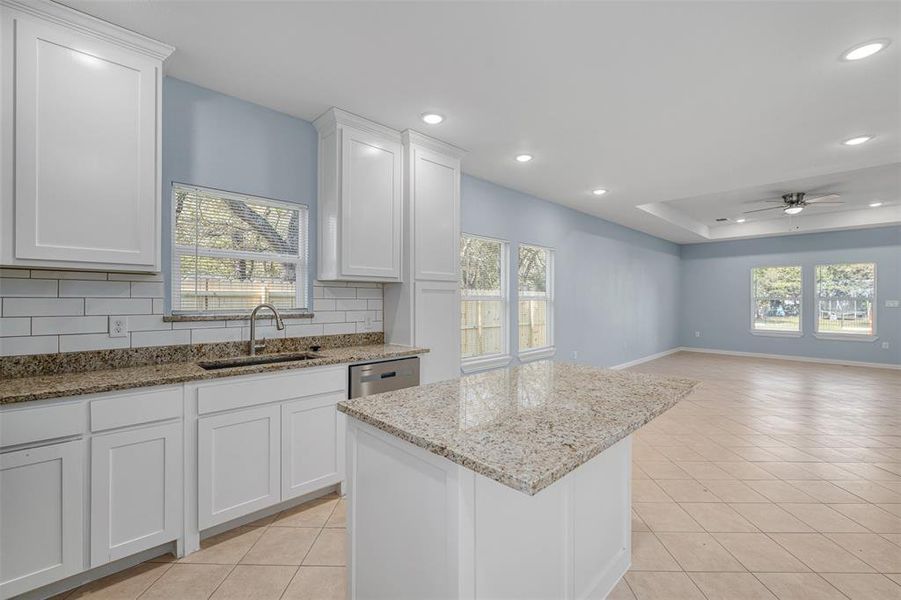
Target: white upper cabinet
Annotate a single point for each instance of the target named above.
(434, 181)
(81, 167)
(360, 199)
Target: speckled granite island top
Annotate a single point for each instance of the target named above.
(525, 426)
(23, 389)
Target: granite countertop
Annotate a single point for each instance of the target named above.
(525, 426)
(38, 387)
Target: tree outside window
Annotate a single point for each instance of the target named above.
(846, 296)
(776, 299)
(535, 276)
(483, 297)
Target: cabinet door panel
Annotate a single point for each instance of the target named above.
(312, 444)
(135, 491)
(371, 205)
(41, 518)
(436, 209)
(86, 177)
(239, 467)
(437, 324)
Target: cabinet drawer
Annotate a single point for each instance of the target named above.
(261, 390)
(44, 423)
(136, 408)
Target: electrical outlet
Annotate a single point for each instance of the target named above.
(367, 322)
(118, 326)
(885, 345)
(697, 334)
(575, 355)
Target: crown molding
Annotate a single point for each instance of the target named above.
(91, 26)
(335, 117)
(413, 137)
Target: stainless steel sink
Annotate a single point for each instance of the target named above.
(259, 359)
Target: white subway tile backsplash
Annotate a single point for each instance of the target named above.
(43, 344)
(47, 311)
(350, 304)
(65, 325)
(21, 273)
(303, 330)
(339, 328)
(339, 292)
(42, 307)
(369, 292)
(147, 289)
(216, 334)
(13, 287)
(10, 326)
(43, 274)
(118, 306)
(136, 277)
(91, 341)
(147, 323)
(98, 289)
(160, 338)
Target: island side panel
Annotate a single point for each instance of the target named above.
(421, 526)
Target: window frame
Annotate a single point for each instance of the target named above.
(549, 349)
(845, 337)
(302, 295)
(503, 358)
(752, 297)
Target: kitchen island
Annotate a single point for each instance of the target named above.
(507, 484)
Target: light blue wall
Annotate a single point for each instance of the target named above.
(616, 289)
(716, 292)
(213, 140)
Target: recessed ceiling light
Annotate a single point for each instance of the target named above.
(865, 50)
(856, 141)
(599, 192)
(742, 220)
(523, 157)
(875, 204)
(793, 210)
(431, 118)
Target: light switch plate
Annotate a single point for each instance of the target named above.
(892, 303)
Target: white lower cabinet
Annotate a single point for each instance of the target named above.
(135, 491)
(312, 444)
(41, 516)
(238, 463)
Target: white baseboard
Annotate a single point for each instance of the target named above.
(781, 357)
(645, 359)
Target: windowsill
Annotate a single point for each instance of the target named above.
(234, 316)
(536, 353)
(484, 363)
(846, 337)
(783, 334)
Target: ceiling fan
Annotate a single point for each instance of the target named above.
(794, 202)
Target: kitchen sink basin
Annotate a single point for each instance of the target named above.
(259, 359)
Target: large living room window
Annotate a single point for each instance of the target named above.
(483, 305)
(231, 252)
(776, 300)
(536, 310)
(846, 301)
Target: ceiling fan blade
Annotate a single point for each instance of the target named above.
(822, 199)
(762, 209)
(819, 203)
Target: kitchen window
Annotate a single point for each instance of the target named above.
(536, 309)
(483, 305)
(846, 301)
(231, 252)
(776, 300)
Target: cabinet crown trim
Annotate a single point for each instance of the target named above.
(335, 117)
(89, 25)
(413, 137)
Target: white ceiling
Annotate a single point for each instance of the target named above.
(687, 108)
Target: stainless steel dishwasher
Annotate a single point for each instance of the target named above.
(386, 376)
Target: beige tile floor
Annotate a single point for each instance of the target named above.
(773, 480)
